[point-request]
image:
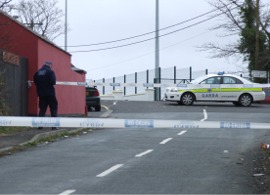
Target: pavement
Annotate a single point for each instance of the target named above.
(10, 142)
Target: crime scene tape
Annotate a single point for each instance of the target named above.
(9, 121)
(63, 83)
(180, 85)
(107, 84)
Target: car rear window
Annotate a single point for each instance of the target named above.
(231, 80)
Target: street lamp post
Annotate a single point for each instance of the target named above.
(257, 45)
(157, 79)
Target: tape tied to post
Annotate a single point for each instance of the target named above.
(158, 85)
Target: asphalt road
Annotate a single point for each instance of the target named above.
(145, 161)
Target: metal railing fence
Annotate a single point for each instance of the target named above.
(170, 75)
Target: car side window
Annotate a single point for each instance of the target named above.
(212, 80)
(231, 80)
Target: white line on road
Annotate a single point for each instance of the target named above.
(205, 115)
(144, 153)
(110, 170)
(67, 192)
(182, 132)
(106, 114)
(105, 107)
(165, 141)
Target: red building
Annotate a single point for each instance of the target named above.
(20, 40)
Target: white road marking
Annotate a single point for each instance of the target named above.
(105, 107)
(106, 114)
(144, 153)
(67, 192)
(165, 141)
(110, 170)
(205, 115)
(182, 132)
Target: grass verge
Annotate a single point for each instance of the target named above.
(11, 130)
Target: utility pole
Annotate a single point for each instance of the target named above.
(257, 42)
(157, 79)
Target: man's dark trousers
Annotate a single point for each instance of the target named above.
(46, 101)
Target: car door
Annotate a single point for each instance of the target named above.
(230, 88)
(210, 89)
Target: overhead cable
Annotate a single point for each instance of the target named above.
(144, 34)
(137, 42)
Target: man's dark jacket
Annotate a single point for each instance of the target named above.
(45, 80)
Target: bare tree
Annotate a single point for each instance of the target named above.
(231, 27)
(240, 20)
(5, 5)
(42, 16)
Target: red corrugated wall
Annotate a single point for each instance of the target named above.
(71, 99)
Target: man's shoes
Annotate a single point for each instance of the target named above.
(40, 128)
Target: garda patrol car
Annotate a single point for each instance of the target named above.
(217, 88)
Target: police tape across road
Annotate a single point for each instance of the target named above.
(180, 85)
(125, 123)
(101, 84)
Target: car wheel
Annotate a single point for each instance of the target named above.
(245, 100)
(97, 108)
(187, 99)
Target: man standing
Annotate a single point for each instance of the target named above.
(45, 80)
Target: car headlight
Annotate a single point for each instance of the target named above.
(172, 90)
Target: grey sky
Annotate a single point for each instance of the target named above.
(96, 21)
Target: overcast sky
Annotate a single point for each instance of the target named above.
(98, 21)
